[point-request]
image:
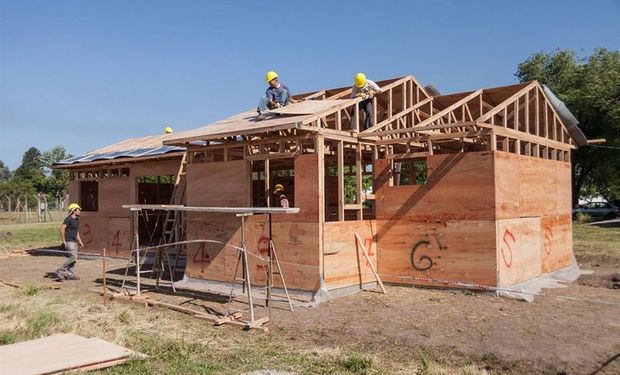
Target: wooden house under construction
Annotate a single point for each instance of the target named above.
(472, 187)
(134, 171)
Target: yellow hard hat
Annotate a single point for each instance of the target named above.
(360, 80)
(74, 206)
(278, 188)
(270, 76)
(167, 130)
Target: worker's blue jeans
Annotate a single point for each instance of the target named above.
(366, 106)
(263, 103)
(68, 267)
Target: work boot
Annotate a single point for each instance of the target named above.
(72, 277)
(59, 275)
(261, 116)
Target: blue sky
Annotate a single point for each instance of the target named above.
(85, 74)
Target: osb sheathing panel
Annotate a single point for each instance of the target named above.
(556, 250)
(98, 232)
(529, 187)
(296, 246)
(453, 250)
(344, 262)
(221, 184)
(459, 187)
(113, 194)
(518, 250)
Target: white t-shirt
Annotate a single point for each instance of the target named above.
(368, 86)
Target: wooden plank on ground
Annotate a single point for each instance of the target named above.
(59, 353)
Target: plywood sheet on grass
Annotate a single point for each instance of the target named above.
(454, 250)
(58, 353)
(344, 262)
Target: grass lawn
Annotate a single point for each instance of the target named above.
(596, 245)
(29, 235)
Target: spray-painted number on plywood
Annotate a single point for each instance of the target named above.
(202, 257)
(88, 237)
(425, 262)
(116, 241)
(508, 239)
(548, 240)
(263, 252)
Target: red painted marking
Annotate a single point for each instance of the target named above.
(204, 257)
(368, 246)
(548, 240)
(263, 251)
(89, 237)
(116, 241)
(508, 233)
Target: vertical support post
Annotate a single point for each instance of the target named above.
(339, 120)
(537, 112)
(374, 110)
(493, 141)
(246, 269)
(527, 112)
(137, 242)
(104, 286)
(358, 180)
(340, 181)
(267, 183)
(319, 149)
(515, 117)
(356, 111)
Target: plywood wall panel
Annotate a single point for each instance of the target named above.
(556, 250)
(518, 250)
(455, 250)
(538, 187)
(306, 189)
(222, 184)
(98, 232)
(113, 194)
(344, 262)
(296, 245)
(459, 187)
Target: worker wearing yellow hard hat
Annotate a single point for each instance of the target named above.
(168, 130)
(365, 89)
(70, 235)
(277, 95)
(278, 190)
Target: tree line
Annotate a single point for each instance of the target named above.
(35, 175)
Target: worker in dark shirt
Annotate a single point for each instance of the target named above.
(276, 96)
(70, 235)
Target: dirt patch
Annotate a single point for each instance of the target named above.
(576, 331)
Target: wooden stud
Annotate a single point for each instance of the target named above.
(340, 181)
(358, 179)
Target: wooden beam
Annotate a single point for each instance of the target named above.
(271, 156)
(360, 243)
(340, 181)
(408, 155)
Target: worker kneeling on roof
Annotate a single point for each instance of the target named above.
(276, 96)
(278, 190)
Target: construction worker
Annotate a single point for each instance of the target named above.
(70, 235)
(277, 95)
(365, 89)
(278, 190)
(168, 130)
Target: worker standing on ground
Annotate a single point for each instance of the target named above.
(70, 235)
(276, 96)
(278, 190)
(365, 89)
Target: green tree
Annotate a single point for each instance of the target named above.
(57, 181)
(590, 87)
(5, 172)
(31, 170)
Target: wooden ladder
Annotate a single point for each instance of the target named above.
(173, 229)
